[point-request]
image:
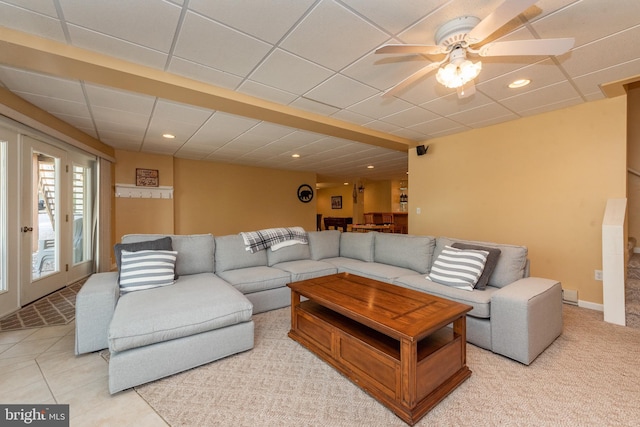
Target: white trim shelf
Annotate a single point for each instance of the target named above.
(131, 191)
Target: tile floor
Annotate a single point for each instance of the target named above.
(38, 366)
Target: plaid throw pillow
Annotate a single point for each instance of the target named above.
(146, 269)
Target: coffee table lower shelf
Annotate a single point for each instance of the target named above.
(407, 377)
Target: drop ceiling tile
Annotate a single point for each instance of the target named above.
(251, 16)
(343, 35)
(481, 114)
(410, 117)
(40, 20)
(289, 72)
(451, 104)
(381, 126)
(563, 103)
(222, 128)
(121, 118)
(590, 83)
(437, 126)
(314, 106)
(40, 84)
(397, 18)
(377, 106)
(122, 49)
(266, 92)
(143, 22)
(135, 130)
(350, 116)
(603, 53)
(543, 73)
(115, 99)
(222, 48)
(203, 73)
(547, 95)
(178, 119)
(383, 71)
(340, 91)
(57, 106)
(589, 20)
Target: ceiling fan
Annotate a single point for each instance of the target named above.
(455, 38)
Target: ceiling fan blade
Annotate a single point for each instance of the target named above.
(411, 79)
(467, 90)
(412, 48)
(527, 47)
(496, 19)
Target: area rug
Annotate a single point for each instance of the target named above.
(587, 377)
(58, 308)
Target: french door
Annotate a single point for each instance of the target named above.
(57, 213)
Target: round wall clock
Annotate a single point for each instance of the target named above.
(305, 193)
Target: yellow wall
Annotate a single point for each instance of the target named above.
(225, 199)
(633, 160)
(211, 198)
(541, 181)
(377, 196)
(324, 202)
(142, 215)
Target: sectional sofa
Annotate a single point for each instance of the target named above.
(206, 314)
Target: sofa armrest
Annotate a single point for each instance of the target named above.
(526, 317)
(95, 304)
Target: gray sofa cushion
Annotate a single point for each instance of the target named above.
(255, 279)
(402, 250)
(195, 251)
(232, 255)
(307, 269)
(194, 304)
(511, 266)
(480, 300)
(378, 271)
(324, 244)
(288, 253)
(357, 245)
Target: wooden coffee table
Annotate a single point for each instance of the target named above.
(393, 342)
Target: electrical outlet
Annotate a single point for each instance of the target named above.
(418, 210)
(598, 275)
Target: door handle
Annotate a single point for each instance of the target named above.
(26, 229)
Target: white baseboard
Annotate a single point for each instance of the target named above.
(590, 305)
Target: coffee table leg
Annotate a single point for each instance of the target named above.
(460, 328)
(295, 302)
(408, 366)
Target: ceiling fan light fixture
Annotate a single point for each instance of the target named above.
(458, 73)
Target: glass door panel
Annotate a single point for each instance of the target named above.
(44, 219)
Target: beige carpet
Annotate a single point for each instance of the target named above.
(58, 308)
(589, 377)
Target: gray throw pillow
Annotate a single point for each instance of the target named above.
(489, 266)
(163, 244)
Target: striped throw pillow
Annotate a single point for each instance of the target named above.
(146, 269)
(458, 268)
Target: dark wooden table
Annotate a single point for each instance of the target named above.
(393, 342)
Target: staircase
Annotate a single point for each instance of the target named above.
(632, 292)
(47, 187)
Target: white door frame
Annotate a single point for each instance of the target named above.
(9, 257)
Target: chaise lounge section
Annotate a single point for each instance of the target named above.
(206, 314)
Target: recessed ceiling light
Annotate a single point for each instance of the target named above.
(295, 155)
(168, 136)
(519, 83)
(370, 167)
(345, 183)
